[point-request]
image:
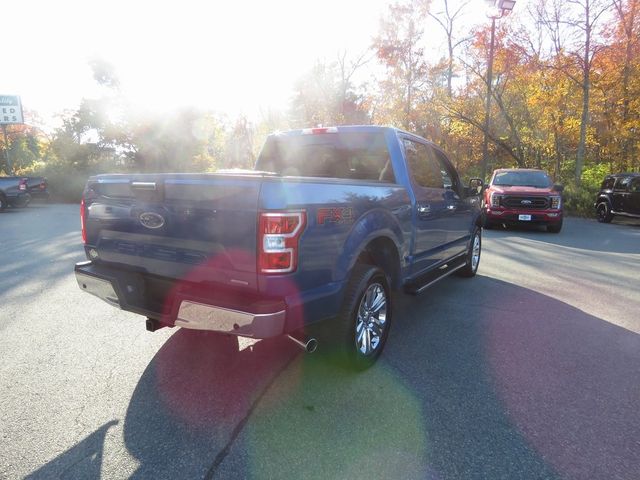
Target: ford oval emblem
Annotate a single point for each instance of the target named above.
(151, 220)
(526, 202)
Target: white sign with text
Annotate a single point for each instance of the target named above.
(10, 110)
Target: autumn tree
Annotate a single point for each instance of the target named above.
(399, 47)
(328, 94)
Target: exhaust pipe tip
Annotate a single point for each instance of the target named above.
(309, 345)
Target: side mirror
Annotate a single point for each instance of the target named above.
(475, 186)
(558, 188)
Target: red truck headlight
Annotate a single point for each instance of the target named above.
(555, 203)
(278, 239)
(494, 199)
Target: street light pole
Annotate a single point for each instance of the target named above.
(502, 7)
(487, 106)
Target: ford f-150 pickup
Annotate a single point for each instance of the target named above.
(329, 223)
(519, 196)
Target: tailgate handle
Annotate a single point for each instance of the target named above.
(143, 185)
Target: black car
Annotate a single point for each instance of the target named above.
(619, 195)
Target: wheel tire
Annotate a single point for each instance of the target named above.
(359, 326)
(3, 203)
(473, 255)
(22, 203)
(555, 227)
(603, 212)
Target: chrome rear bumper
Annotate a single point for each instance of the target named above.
(190, 313)
(199, 316)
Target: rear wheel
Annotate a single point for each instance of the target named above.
(364, 319)
(603, 212)
(22, 202)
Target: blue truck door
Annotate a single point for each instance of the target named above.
(430, 210)
(458, 208)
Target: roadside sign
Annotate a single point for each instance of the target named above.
(10, 110)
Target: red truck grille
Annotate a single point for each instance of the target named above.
(539, 203)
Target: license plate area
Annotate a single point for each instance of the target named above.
(524, 218)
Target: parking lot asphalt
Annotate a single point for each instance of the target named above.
(529, 370)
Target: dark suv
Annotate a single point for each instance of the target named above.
(619, 195)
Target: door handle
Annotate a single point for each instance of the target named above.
(143, 185)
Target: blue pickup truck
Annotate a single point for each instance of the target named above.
(327, 225)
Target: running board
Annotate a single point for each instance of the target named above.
(417, 288)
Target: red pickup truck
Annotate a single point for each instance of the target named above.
(522, 196)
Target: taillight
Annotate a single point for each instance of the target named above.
(43, 186)
(23, 184)
(83, 220)
(494, 199)
(88, 197)
(278, 236)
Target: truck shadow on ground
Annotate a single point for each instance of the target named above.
(502, 383)
(533, 388)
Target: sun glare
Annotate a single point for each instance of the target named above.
(233, 57)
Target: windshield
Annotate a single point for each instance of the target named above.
(527, 178)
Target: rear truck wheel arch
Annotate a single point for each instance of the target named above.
(382, 252)
(364, 242)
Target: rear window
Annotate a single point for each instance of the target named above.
(359, 156)
(522, 179)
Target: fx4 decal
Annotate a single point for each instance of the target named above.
(334, 215)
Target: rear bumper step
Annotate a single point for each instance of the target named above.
(188, 312)
(200, 316)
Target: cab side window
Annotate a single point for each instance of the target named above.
(448, 177)
(621, 183)
(424, 167)
(635, 186)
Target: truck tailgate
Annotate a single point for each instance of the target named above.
(184, 227)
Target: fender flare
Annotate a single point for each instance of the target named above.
(373, 225)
